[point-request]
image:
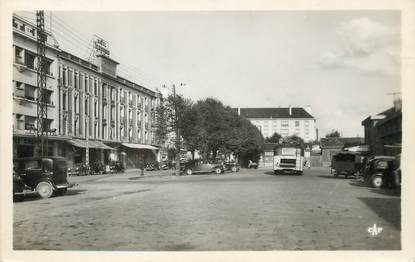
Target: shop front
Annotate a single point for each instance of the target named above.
(137, 155)
(88, 152)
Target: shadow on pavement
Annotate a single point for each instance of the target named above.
(339, 177)
(72, 192)
(387, 208)
(35, 196)
(386, 192)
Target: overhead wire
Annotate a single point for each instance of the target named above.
(70, 35)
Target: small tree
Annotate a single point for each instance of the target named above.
(275, 138)
(333, 133)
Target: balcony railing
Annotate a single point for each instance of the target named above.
(104, 100)
(104, 121)
(112, 123)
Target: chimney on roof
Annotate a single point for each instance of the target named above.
(397, 104)
(290, 110)
(239, 111)
(307, 108)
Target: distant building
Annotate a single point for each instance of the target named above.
(383, 132)
(332, 145)
(286, 121)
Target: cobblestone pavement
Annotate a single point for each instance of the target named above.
(249, 210)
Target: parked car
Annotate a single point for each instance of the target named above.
(152, 166)
(231, 166)
(252, 164)
(345, 163)
(46, 176)
(198, 166)
(383, 171)
(165, 165)
(97, 168)
(116, 167)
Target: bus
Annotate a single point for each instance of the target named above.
(288, 159)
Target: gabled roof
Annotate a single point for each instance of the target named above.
(278, 112)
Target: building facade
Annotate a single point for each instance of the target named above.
(383, 132)
(284, 121)
(94, 115)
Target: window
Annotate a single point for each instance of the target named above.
(146, 118)
(23, 27)
(18, 55)
(65, 83)
(297, 123)
(146, 135)
(139, 117)
(306, 123)
(284, 123)
(86, 84)
(76, 102)
(76, 80)
(130, 133)
(29, 123)
(14, 23)
(64, 101)
(95, 87)
(138, 134)
(86, 107)
(47, 66)
(70, 74)
(29, 92)
(20, 121)
(30, 60)
(95, 109)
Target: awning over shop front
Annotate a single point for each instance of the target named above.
(90, 144)
(139, 146)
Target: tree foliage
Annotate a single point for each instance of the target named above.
(334, 133)
(210, 127)
(275, 138)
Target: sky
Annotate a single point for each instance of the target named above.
(342, 64)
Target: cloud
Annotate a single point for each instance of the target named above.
(366, 46)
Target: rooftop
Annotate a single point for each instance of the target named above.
(278, 112)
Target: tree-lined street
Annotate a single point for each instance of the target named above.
(249, 210)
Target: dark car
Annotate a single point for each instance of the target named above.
(383, 171)
(231, 166)
(46, 176)
(198, 166)
(345, 163)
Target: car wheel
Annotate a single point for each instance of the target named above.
(189, 172)
(218, 170)
(44, 189)
(234, 169)
(276, 172)
(336, 174)
(377, 181)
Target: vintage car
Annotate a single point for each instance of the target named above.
(346, 163)
(231, 166)
(199, 166)
(383, 171)
(46, 176)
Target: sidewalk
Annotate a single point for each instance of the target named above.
(127, 174)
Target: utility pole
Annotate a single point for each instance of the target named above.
(176, 129)
(42, 126)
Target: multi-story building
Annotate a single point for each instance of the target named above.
(93, 114)
(286, 121)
